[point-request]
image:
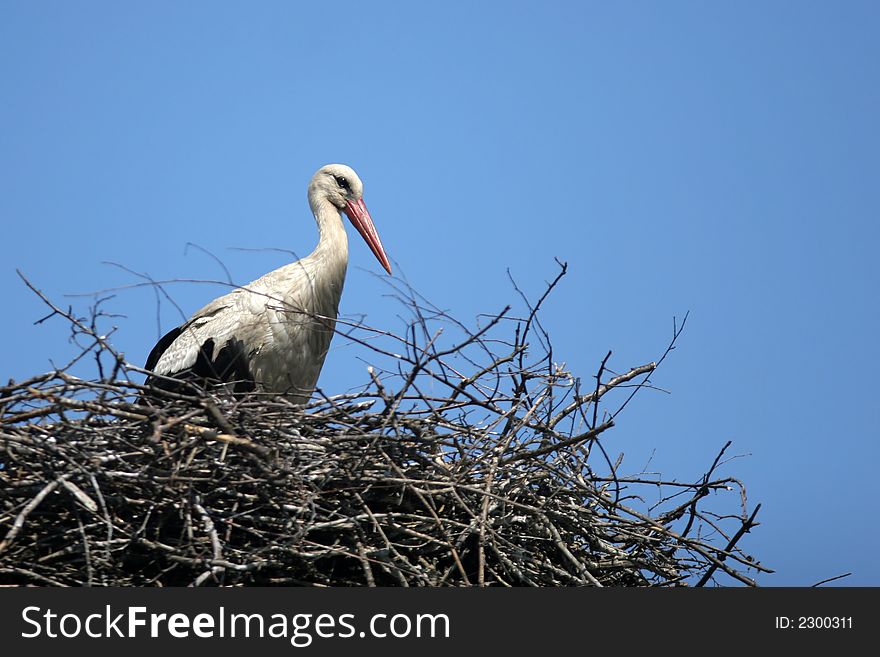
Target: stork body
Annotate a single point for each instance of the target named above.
(273, 334)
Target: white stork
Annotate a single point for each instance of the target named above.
(273, 334)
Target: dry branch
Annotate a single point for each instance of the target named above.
(488, 479)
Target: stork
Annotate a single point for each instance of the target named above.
(272, 335)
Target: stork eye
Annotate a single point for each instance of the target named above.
(342, 182)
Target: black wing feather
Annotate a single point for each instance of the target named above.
(229, 365)
(161, 346)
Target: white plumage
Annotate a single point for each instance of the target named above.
(273, 334)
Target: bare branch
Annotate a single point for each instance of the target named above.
(464, 459)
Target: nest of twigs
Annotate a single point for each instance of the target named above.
(495, 477)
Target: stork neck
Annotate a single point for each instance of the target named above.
(333, 243)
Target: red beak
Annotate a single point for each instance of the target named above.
(360, 217)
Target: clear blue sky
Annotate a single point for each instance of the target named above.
(716, 158)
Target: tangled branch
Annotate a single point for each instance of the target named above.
(471, 457)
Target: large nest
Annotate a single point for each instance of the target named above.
(475, 463)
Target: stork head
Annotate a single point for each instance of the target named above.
(341, 186)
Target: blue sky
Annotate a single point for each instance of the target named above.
(685, 156)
